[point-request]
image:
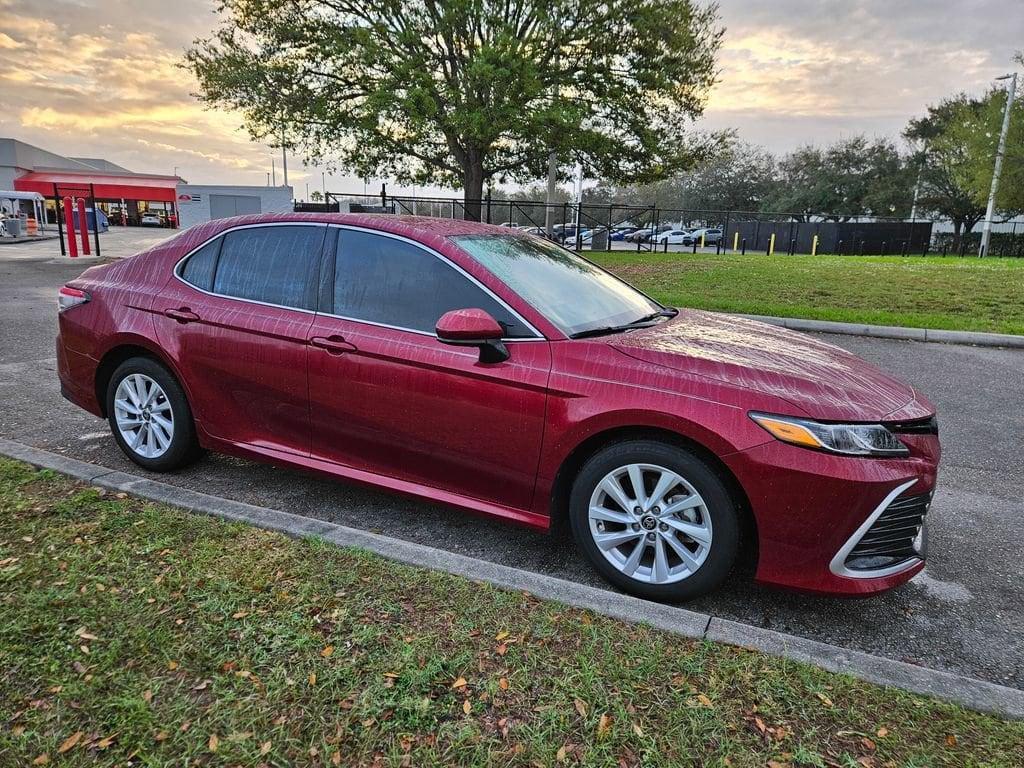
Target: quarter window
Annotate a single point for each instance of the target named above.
(276, 265)
(199, 268)
(388, 281)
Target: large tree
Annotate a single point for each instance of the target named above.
(852, 177)
(942, 162)
(463, 91)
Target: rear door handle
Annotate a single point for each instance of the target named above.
(335, 345)
(183, 315)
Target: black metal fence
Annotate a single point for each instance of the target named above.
(616, 226)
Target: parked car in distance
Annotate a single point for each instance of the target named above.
(644, 234)
(673, 236)
(486, 369)
(712, 236)
(151, 220)
(583, 236)
(620, 233)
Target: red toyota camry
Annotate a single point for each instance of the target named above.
(502, 374)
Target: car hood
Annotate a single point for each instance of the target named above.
(822, 381)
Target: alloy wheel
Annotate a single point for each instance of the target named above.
(144, 416)
(650, 523)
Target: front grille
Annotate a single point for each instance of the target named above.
(890, 539)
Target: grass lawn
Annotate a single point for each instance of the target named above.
(924, 292)
(137, 633)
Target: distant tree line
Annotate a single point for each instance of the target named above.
(948, 158)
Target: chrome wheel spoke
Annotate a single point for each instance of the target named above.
(666, 482)
(695, 531)
(610, 485)
(661, 569)
(636, 477)
(633, 561)
(684, 554)
(608, 541)
(610, 516)
(690, 502)
(123, 404)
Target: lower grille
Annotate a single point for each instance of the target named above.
(890, 539)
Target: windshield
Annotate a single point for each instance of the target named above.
(571, 292)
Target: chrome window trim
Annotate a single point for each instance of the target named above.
(176, 271)
(838, 563)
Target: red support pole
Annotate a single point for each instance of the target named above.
(69, 220)
(83, 226)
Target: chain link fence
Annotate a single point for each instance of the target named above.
(615, 226)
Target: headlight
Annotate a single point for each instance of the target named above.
(846, 439)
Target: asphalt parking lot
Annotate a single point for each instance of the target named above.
(964, 613)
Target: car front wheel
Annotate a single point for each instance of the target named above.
(655, 520)
(150, 416)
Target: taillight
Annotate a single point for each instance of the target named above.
(68, 297)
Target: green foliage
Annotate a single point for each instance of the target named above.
(974, 130)
(852, 177)
(942, 163)
(460, 92)
(738, 178)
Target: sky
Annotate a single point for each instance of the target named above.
(100, 78)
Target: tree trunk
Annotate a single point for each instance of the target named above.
(473, 187)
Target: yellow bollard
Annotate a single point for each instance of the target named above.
(814, 246)
(771, 245)
(701, 239)
(735, 241)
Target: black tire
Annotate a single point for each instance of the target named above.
(719, 503)
(184, 445)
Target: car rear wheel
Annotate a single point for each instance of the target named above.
(150, 416)
(655, 520)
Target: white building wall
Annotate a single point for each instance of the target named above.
(194, 200)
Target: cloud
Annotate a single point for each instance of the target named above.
(102, 77)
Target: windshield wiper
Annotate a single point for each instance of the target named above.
(644, 322)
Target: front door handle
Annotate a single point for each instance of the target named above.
(335, 344)
(183, 315)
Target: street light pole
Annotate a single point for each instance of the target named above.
(986, 231)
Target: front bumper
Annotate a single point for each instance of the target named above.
(813, 508)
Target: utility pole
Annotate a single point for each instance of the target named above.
(986, 231)
(917, 186)
(549, 209)
(284, 156)
(273, 172)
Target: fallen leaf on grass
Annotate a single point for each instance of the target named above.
(336, 758)
(147, 696)
(161, 736)
(704, 700)
(69, 742)
(882, 732)
(501, 636)
(560, 754)
(951, 740)
(105, 742)
(501, 650)
(503, 683)
(85, 635)
(43, 759)
(265, 747)
(213, 743)
(460, 683)
(326, 652)
(603, 724)
(239, 614)
(312, 678)
(825, 700)
(172, 665)
(638, 730)
(467, 707)
(581, 707)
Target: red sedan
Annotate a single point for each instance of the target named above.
(497, 372)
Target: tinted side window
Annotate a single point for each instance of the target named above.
(384, 280)
(276, 265)
(198, 270)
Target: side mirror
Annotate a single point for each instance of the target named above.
(473, 328)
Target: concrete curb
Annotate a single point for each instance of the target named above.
(970, 692)
(894, 332)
